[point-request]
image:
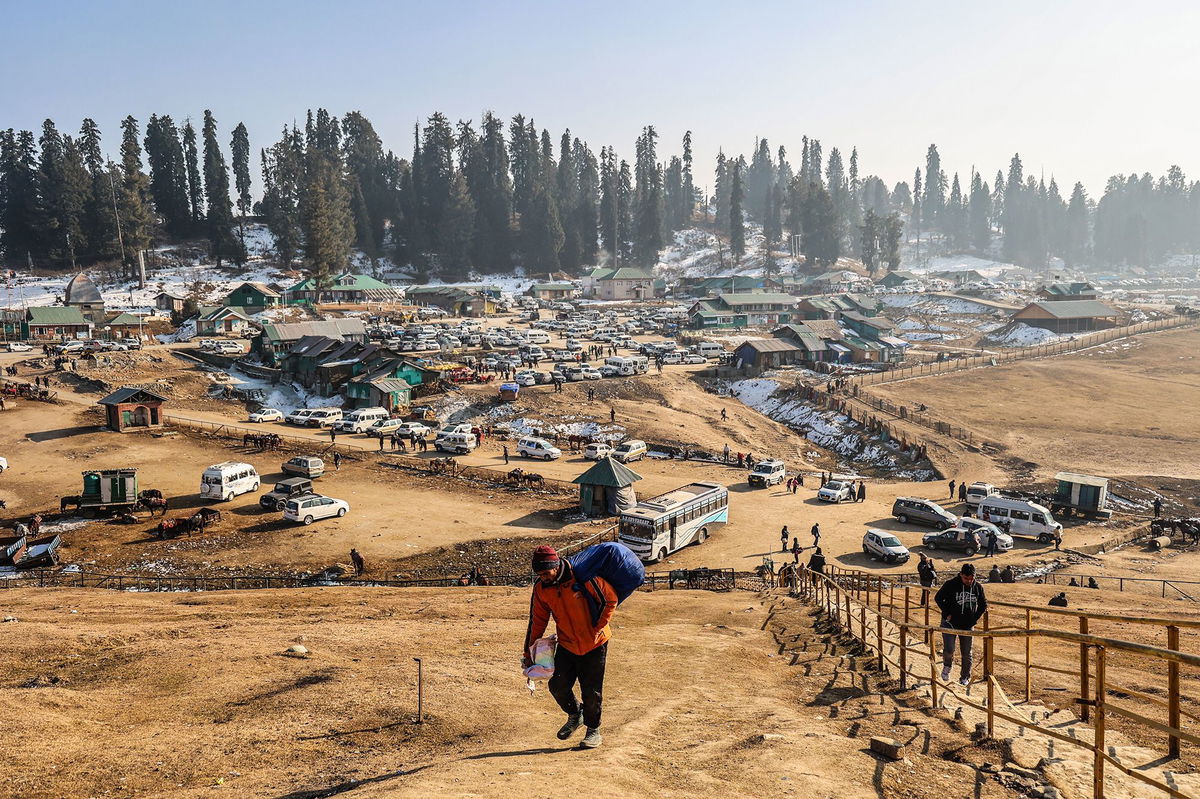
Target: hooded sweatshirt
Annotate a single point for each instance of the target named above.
(568, 602)
(961, 605)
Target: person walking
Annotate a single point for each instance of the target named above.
(1057, 540)
(583, 638)
(332, 436)
(505, 454)
(862, 491)
(612, 415)
(962, 603)
(927, 575)
(796, 549)
(816, 534)
(337, 461)
(740, 460)
(381, 437)
(816, 565)
(951, 489)
(783, 539)
(360, 565)
(724, 416)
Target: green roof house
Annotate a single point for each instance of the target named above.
(48, 323)
(346, 288)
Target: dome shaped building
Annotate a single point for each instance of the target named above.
(82, 293)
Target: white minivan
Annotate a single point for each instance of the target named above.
(458, 443)
(224, 481)
(537, 337)
(709, 349)
(299, 416)
(1020, 517)
(532, 447)
(624, 366)
(308, 509)
(323, 417)
(357, 421)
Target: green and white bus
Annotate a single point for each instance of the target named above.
(654, 528)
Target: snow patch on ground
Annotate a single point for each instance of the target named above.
(1022, 335)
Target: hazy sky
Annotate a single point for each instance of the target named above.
(1081, 89)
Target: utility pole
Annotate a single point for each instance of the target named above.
(116, 215)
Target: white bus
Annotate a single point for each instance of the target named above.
(654, 528)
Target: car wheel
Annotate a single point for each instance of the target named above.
(902, 518)
(931, 544)
(970, 551)
(662, 555)
(1044, 539)
(227, 498)
(548, 456)
(308, 520)
(701, 535)
(341, 512)
(865, 550)
(438, 447)
(280, 506)
(255, 487)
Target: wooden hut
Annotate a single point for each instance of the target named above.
(133, 407)
(607, 488)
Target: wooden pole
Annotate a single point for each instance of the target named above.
(879, 638)
(906, 597)
(903, 657)
(1172, 692)
(1098, 748)
(1028, 649)
(989, 645)
(1084, 677)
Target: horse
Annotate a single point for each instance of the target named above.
(67, 502)
(515, 476)
(150, 493)
(151, 504)
(534, 479)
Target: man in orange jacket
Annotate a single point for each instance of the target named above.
(581, 615)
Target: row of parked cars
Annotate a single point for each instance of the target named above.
(294, 496)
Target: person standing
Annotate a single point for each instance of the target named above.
(962, 603)
(505, 454)
(862, 491)
(1157, 507)
(583, 638)
(927, 575)
(992, 540)
(612, 415)
(816, 565)
(360, 565)
(783, 539)
(816, 534)
(332, 436)
(381, 437)
(952, 489)
(724, 416)
(962, 492)
(796, 549)
(727, 453)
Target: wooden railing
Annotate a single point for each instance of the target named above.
(890, 618)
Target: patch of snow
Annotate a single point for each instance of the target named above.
(1022, 335)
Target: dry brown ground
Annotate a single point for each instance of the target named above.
(1127, 408)
(172, 695)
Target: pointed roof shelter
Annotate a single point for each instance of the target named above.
(607, 488)
(82, 291)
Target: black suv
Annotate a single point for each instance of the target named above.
(284, 490)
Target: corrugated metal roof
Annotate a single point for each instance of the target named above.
(55, 315)
(389, 385)
(769, 345)
(757, 298)
(339, 328)
(124, 394)
(1071, 309)
(81, 289)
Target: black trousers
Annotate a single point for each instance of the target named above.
(589, 671)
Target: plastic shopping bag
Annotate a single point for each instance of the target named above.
(542, 655)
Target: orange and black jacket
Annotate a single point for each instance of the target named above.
(581, 612)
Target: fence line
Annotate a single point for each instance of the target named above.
(854, 602)
(1023, 353)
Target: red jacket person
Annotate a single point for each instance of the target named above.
(581, 615)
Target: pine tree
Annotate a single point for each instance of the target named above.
(917, 204)
(773, 224)
(625, 211)
(458, 228)
(192, 172)
(283, 174)
(542, 231)
(134, 201)
(721, 186)
(492, 191)
(586, 212)
(609, 188)
(325, 206)
(19, 207)
(648, 201)
(869, 235)
(689, 186)
(100, 222)
(737, 226)
(893, 232)
(566, 192)
(955, 225)
(220, 209)
(934, 202)
(63, 186)
(168, 177)
(239, 147)
(1077, 227)
(822, 240)
(980, 214)
(366, 166)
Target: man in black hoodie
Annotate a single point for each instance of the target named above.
(962, 603)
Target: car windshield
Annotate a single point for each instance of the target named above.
(890, 541)
(764, 468)
(835, 485)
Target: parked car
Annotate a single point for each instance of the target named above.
(837, 491)
(3, 465)
(918, 510)
(299, 416)
(132, 343)
(71, 346)
(693, 358)
(885, 546)
(449, 430)
(385, 427)
(964, 540)
(588, 373)
(526, 379)
(224, 481)
(767, 473)
(1004, 541)
(308, 509)
(458, 443)
(323, 417)
(597, 451)
(284, 490)
(534, 447)
(629, 451)
(304, 466)
(977, 492)
(266, 415)
(408, 428)
(231, 348)
(1021, 517)
(18, 346)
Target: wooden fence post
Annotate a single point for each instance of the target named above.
(989, 646)
(1084, 677)
(903, 657)
(879, 638)
(1172, 691)
(1098, 745)
(1028, 648)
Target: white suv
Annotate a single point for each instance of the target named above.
(310, 508)
(885, 546)
(532, 447)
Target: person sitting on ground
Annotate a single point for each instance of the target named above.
(1073, 584)
(1007, 575)
(1092, 583)
(1058, 601)
(994, 574)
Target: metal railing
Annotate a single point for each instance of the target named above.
(894, 621)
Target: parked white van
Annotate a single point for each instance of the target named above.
(537, 337)
(323, 417)
(631, 450)
(357, 421)
(1020, 517)
(458, 443)
(977, 492)
(532, 447)
(224, 481)
(624, 366)
(709, 349)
